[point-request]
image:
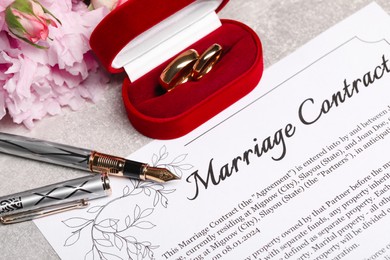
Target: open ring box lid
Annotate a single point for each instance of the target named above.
(141, 37)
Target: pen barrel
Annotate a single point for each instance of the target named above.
(45, 151)
(85, 188)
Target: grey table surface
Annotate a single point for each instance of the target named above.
(283, 26)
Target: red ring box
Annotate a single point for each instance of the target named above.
(143, 36)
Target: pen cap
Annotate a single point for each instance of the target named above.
(85, 188)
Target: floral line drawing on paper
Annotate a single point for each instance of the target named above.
(177, 165)
(112, 237)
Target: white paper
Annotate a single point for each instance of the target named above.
(257, 181)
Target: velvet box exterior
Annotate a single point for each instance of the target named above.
(167, 115)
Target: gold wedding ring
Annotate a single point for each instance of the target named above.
(179, 70)
(206, 61)
(189, 66)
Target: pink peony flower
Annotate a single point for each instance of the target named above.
(110, 4)
(29, 20)
(35, 83)
(3, 5)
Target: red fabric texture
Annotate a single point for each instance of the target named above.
(170, 115)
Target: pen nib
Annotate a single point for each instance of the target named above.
(159, 174)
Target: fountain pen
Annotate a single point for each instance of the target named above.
(80, 158)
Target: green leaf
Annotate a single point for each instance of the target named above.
(23, 6)
(12, 21)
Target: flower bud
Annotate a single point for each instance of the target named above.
(29, 20)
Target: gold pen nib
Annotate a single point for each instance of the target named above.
(158, 174)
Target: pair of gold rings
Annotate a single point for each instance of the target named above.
(189, 66)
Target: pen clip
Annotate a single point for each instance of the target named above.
(42, 212)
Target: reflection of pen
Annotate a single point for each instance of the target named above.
(80, 158)
(53, 199)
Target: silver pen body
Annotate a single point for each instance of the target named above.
(54, 196)
(45, 151)
(80, 158)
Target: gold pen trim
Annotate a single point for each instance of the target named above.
(99, 162)
(42, 212)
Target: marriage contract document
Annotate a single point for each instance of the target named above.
(298, 169)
